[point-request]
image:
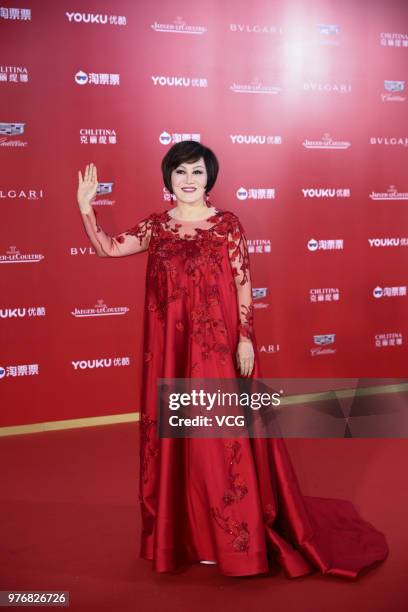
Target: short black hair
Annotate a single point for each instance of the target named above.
(189, 151)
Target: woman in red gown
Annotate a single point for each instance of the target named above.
(234, 502)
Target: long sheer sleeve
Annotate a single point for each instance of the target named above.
(239, 259)
(133, 240)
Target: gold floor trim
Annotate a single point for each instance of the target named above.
(135, 416)
(69, 424)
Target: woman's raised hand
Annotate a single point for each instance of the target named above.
(87, 187)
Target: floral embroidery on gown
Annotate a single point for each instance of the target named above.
(235, 501)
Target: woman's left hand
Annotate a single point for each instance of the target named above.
(245, 357)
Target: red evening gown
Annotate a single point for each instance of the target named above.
(233, 501)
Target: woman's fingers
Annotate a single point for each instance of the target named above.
(79, 177)
(246, 365)
(90, 173)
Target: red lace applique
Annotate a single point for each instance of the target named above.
(201, 251)
(210, 333)
(148, 449)
(246, 326)
(239, 259)
(234, 494)
(269, 512)
(139, 231)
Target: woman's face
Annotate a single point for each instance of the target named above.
(188, 181)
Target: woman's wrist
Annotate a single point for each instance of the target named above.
(85, 207)
(244, 339)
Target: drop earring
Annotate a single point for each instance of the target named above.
(207, 200)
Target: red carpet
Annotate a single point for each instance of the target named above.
(70, 521)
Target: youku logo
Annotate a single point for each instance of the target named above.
(388, 242)
(326, 192)
(96, 19)
(255, 139)
(179, 81)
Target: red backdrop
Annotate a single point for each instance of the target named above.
(305, 105)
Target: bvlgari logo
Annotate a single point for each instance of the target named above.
(21, 194)
(401, 141)
(269, 349)
(100, 310)
(255, 28)
(342, 88)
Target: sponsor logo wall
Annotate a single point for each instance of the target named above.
(307, 115)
